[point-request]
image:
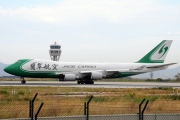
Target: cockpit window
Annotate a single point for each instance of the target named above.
(18, 61)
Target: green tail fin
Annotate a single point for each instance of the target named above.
(158, 54)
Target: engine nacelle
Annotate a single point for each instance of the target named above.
(69, 77)
(96, 75)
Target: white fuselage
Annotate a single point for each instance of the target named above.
(37, 65)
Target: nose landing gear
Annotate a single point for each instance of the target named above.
(23, 81)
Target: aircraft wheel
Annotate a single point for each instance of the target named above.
(23, 81)
(81, 82)
(89, 82)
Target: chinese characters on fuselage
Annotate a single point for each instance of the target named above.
(41, 66)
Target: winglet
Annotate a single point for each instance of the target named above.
(158, 54)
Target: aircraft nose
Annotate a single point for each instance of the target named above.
(8, 69)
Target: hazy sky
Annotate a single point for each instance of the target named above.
(88, 30)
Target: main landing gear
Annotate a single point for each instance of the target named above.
(23, 81)
(85, 82)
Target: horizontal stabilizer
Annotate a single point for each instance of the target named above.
(158, 66)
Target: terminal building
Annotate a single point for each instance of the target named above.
(55, 52)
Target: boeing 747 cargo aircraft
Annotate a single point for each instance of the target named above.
(86, 73)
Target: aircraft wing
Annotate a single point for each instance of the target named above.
(139, 68)
(59, 73)
(88, 72)
(110, 71)
(118, 70)
(102, 71)
(158, 66)
(106, 72)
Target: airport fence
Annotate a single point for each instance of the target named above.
(76, 103)
(36, 109)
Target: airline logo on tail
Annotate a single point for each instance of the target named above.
(158, 54)
(163, 50)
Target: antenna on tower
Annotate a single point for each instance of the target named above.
(55, 52)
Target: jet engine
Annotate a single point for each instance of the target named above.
(69, 77)
(96, 75)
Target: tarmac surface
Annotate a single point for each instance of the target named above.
(96, 84)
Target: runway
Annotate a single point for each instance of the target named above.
(95, 85)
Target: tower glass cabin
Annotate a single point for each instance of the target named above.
(55, 52)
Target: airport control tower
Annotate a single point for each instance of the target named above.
(55, 52)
